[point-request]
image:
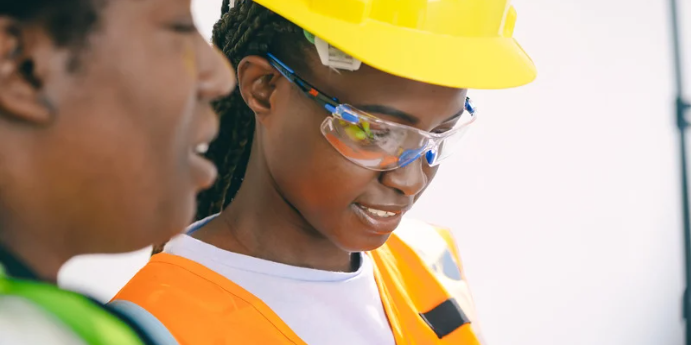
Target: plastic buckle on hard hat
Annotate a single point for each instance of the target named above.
(333, 57)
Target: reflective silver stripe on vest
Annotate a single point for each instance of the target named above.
(149, 323)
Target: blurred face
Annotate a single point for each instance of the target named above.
(355, 208)
(111, 164)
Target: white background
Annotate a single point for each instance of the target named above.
(565, 200)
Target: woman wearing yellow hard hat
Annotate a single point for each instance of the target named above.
(343, 112)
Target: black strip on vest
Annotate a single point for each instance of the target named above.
(445, 318)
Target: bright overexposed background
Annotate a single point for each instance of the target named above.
(565, 200)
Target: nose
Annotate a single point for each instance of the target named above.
(409, 180)
(216, 75)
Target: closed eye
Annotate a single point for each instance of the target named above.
(183, 28)
(445, 128)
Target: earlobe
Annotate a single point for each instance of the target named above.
(20, 97)
(257, 81)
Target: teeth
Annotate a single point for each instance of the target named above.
(201, 148)
(379, 213)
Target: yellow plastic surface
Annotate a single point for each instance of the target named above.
(454, 43)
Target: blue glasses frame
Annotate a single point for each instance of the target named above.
(332, 104)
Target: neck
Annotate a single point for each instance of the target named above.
(38, 253)
(261, 223)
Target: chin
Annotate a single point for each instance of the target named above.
(364, 243)
(114, 246)
(142, 235)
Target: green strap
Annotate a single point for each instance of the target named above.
(88, 321)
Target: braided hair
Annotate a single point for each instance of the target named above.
(244, 29)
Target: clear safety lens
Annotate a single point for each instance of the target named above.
(382, 145)
(446, 147)
(366, 144)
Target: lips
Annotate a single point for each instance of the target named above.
(380, 219)
(204, 171)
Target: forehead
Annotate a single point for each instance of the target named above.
(431, 104)
(139, 11)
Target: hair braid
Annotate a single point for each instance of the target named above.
(244, 29)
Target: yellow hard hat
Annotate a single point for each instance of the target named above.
(455, 43)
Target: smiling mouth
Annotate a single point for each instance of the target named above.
(201, 149)
(381, 211)
(378, 213)
(377, 220)
(204, 171)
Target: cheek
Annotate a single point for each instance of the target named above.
(130, 150)
(314, 176)
(430, 172)
(165, 130)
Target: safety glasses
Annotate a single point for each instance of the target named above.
(377, 144)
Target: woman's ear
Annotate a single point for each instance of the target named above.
(20, 88)
(257, 82)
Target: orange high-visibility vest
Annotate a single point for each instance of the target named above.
(418, 272)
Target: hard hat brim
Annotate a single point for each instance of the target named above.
(458, 62)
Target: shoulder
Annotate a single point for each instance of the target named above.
(171, 285)
(169, 274)
(160, 298)
(434, 244)
(23, 323)
(437, 248)
(195, 304)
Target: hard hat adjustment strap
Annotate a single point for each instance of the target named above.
(331, 56)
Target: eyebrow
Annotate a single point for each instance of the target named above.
(399, 114)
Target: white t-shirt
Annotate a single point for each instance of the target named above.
(321, 307)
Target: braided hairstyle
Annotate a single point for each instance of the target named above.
(244, 29)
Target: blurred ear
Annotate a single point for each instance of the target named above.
(257, 80)
(20, 96)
